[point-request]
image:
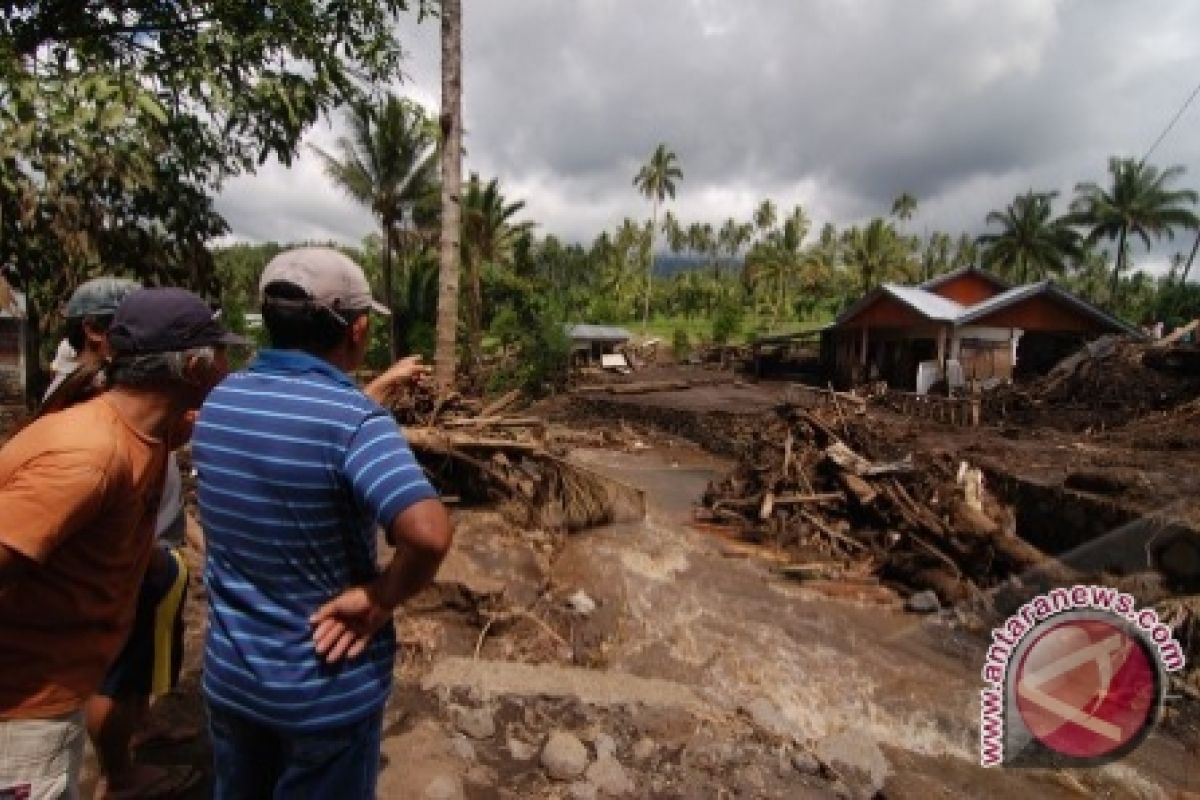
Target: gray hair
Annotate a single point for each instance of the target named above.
(155, 368)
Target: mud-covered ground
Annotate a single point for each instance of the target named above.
(699, 673)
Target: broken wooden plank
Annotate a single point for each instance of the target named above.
(494, 422)
(1177, 334)
(816, 522)
(501, 403)
(864, 493)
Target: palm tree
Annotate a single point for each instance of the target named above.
(675, 233)
(935, 258)
(387, 163)
(656, 181)
(904, 206)
(966, 252)
(764, 218)
(488, 237)
(1138, 202)
(1031, 241)
(877, 252)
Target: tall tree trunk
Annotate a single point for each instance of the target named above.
(650, 266)
(451, 125)
(1117, 270)
(387, 289)
(1191, 257)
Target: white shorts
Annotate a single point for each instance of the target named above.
(40, 759)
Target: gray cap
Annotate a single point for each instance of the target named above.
(100, 296)
(331, 279)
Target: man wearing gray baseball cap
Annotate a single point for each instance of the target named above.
(297, 467)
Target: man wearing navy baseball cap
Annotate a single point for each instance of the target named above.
(79, 492)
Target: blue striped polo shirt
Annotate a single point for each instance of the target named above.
(296, 468)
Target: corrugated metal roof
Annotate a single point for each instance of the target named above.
(597, 333)
(927, 304)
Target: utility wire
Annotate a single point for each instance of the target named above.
(1171, 124)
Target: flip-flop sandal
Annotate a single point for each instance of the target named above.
(173, 780)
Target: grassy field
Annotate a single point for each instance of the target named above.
(700, 328)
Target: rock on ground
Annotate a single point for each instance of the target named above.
(564, 757)
(478, 723)
(609, 777)
(643, 748)
(443, 787)
(859, 762)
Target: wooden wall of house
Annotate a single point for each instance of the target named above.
(1043, 313)
(967, 289)
(982, 359)
(884, 313)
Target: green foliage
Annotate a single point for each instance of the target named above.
(540, 362)
(877, 253)
(681, 345)
(1031, 244)
(1137, 203)
(727, 323)
(117, 123)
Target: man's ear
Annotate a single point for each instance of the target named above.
(95, 338)
(360, 329)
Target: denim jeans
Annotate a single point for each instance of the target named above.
(254, 762)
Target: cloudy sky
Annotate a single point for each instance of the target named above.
(838, 105)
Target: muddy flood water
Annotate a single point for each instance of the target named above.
(830, 673)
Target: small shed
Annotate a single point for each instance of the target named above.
(590, 342)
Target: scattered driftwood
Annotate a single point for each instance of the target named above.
(815, 487)
(645, 387)
(541, 488)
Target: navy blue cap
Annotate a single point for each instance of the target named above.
(166, 320)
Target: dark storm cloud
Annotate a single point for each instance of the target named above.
(836, 104)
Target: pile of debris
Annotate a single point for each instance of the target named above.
(814, 489)
(1108, 382)
(475, 452)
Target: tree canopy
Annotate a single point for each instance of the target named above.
(1138, 201)
(1031, 242)
(119, 121)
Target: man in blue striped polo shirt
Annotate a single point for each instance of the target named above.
(297, 467)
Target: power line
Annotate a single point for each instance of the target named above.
(1171, 124)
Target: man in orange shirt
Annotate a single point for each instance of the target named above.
(79, 491)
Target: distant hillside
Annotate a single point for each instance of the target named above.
(668, 265)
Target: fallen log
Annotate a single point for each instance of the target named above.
(494, 422)
(646, 387)
(836, 536)
(780, 500)
(444, 442)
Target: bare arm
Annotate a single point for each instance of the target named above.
(405, 372)
(422, 535)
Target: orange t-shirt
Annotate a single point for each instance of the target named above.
(79, 491)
